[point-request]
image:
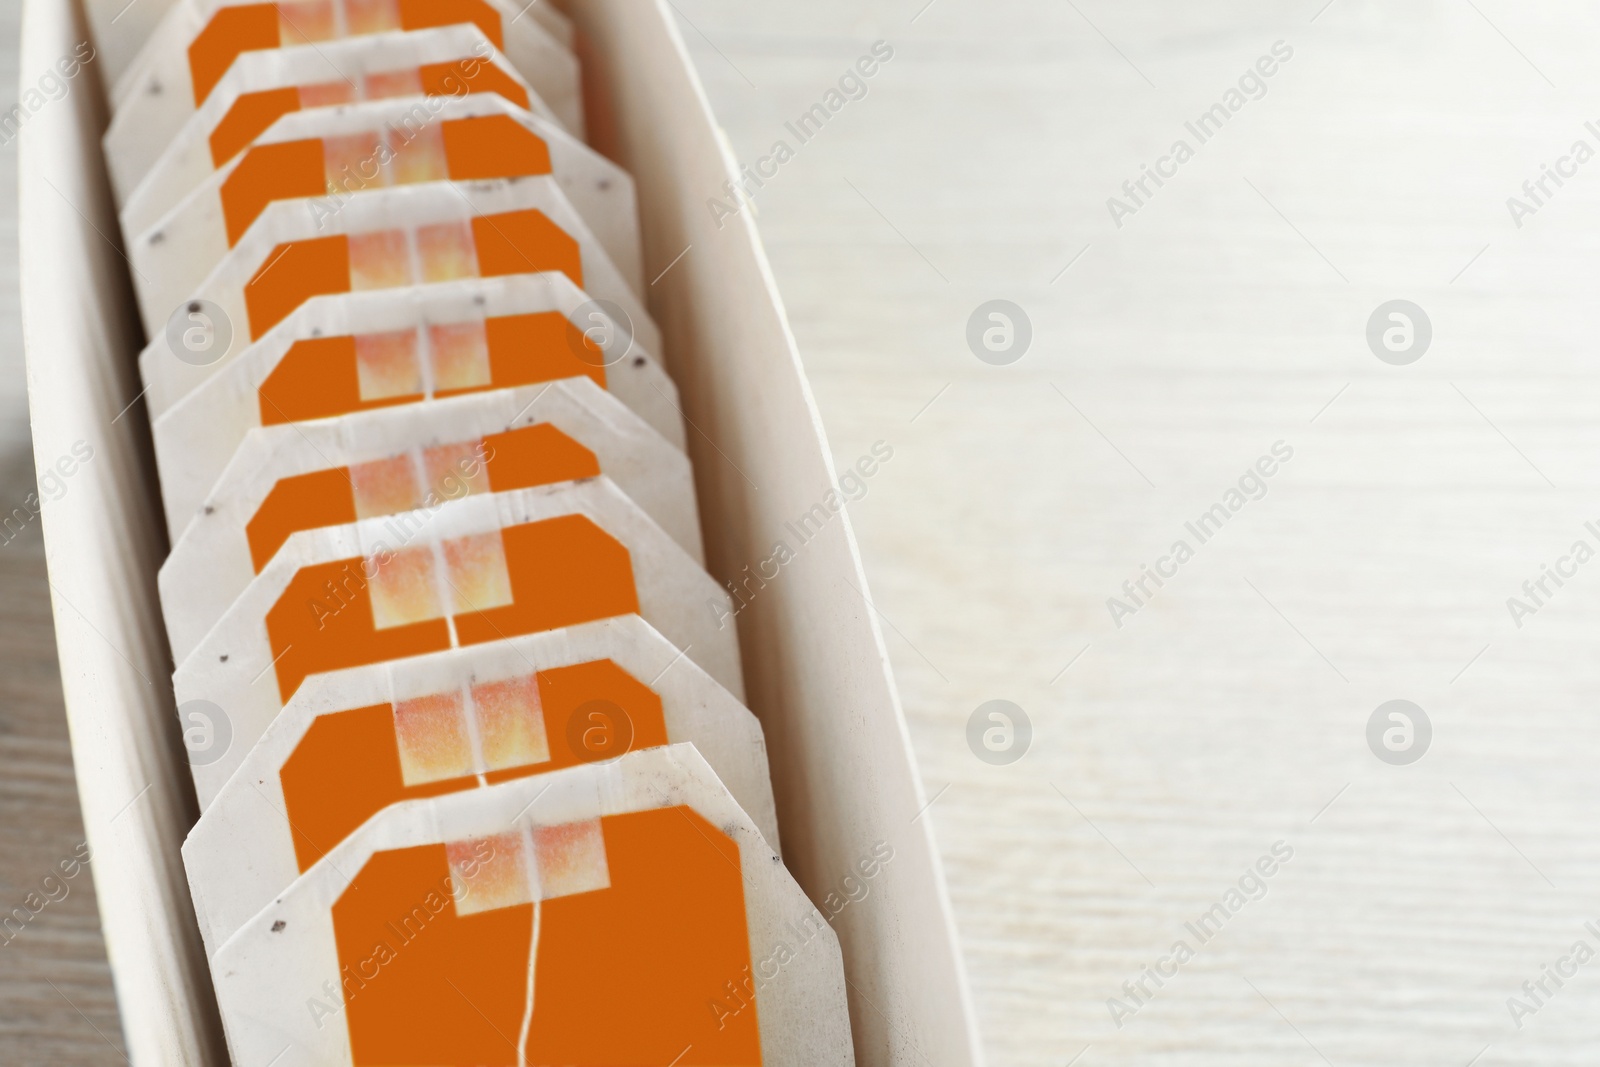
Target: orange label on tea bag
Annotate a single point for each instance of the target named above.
(251, 114)
(459, 591)
(251, 27)
(522, 458)
(589, 945)
(352, 764)
(489, 146)
(513, 242)
(327, 376)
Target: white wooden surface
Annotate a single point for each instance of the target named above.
(1196, 336)
(1222, 318)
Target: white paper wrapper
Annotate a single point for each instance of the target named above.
(158, 91)
(286, 989)
(389, 588)
(353, 151)
(244, 850)
(373, 67)
(328, 472)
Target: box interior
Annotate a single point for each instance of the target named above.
(816, 670)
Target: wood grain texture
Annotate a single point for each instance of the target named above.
(1224, 316)
(56, 1004)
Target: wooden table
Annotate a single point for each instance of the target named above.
(1227, 313)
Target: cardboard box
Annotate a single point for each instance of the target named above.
(814, 661)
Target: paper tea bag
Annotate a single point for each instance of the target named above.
(607, 914)
(281, 468)
(383, 239)
(197, 41)
(572, 335)
(262, 86)
(338, 471)
(378, 239)
(328, 157)
(351, 743)
(476, 569)
(356, 352)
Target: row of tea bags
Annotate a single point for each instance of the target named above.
(463, 708)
